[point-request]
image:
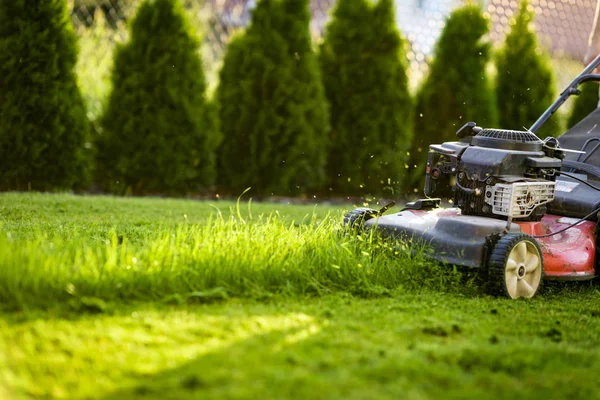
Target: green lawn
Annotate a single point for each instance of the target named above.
(110, 298)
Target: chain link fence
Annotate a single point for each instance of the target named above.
(562, 25)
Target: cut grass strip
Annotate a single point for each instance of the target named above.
(426, 346)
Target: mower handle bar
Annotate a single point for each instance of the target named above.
(585, 76)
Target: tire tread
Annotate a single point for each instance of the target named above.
(355, 218)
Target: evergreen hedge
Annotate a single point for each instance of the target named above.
(158, 132)
(584, 104)
(44, 130)
(364, 65)
(457, 89)
(525, 84)
(273, 111)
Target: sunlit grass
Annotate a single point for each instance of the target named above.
(144, 298)
(426, 346)
(122, 347)
(242, 254)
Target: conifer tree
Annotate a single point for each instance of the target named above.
(584, 104)
(44, 130)
(273, 112)
(457, 89)
(525, 84)
(158, 133)
(364, 67)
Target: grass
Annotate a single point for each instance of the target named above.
(184, 252)
(111, 298)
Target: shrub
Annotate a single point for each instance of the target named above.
(44, 130)
(584, 104)
(273, 112)
(525, 82)
(364, 73)
(457, 89)
(158, 135)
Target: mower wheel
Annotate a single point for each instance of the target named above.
(357, 217)
(516, 266)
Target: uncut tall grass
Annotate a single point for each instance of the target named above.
(219, 258)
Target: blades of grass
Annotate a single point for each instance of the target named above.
(256, 259)
(237, 205)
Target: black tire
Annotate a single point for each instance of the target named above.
(514, 271)
(355, 219)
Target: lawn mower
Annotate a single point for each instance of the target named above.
(522, 209)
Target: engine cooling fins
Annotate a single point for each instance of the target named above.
(507, 140)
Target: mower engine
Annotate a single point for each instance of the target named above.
(495, 173)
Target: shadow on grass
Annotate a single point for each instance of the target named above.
(319, 360)
(309, 360)
(263, 366)
(413, 346)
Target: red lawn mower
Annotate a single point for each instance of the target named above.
(524, 209)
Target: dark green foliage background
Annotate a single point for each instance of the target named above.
(585, 103)
(44, 130)
(273, 111)
(159, 134)
(364, 73)
(525, 84)
(274, 106)
(457, 89)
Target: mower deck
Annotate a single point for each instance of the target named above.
(463, 240)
